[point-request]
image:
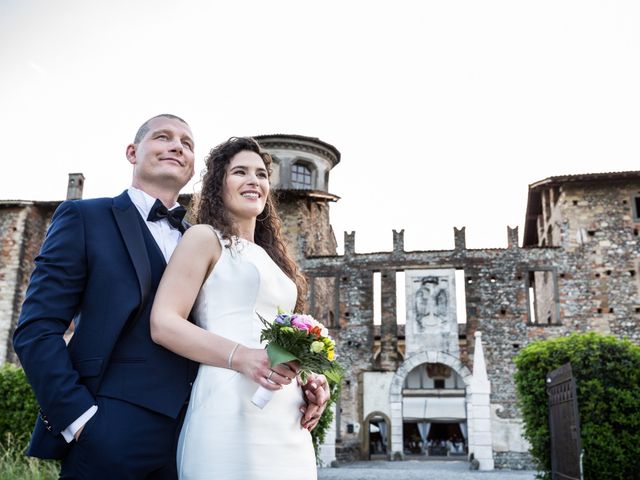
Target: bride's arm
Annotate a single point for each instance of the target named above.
(190, 264)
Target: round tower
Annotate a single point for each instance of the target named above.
(300, 180)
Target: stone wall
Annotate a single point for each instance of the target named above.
(514, 461)
(306, 226)
(599, 237)
(22, 229)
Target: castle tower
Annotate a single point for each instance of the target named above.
(595, 219)
(75, 186)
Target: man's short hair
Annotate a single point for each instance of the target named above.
(144, 128)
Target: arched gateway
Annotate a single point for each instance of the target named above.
(396, 398)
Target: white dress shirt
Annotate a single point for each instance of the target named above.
(167, 239)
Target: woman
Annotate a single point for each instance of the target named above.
(227, 270)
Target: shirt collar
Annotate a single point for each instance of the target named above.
(143, 201)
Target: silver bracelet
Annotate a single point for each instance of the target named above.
(230, 359)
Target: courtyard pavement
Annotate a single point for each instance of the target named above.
(415, 469)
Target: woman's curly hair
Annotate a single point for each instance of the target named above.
(212, 211)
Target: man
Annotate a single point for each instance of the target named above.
(111, 401)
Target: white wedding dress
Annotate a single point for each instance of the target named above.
(224, 435)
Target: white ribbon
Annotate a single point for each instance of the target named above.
(262, 397)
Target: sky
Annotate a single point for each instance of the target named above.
(443, 111)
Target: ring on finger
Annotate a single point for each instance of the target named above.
(270, 375)
(283, 376)
(290, 368)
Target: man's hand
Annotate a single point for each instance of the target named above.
(316, 393)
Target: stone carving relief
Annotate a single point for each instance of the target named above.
(431, 311)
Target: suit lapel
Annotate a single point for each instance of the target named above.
(126, 216)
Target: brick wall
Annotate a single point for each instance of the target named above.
(22, 229)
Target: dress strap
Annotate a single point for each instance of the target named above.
(234, 245)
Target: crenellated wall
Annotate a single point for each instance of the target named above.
(498, 284)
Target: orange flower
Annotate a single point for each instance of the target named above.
(316, 331)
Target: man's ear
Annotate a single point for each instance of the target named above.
(131, 153)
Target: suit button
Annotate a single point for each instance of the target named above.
(191, 384)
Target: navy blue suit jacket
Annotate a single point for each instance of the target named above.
(93, 267)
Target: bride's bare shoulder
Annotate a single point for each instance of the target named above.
(201, 236)
(201, 229)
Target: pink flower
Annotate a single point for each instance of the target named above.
(300, 322)
(308, 319)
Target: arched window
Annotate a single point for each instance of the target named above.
(300, 176)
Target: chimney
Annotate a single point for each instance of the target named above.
(512, 237)
(74, 187)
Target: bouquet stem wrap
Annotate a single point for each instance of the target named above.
(262, 397)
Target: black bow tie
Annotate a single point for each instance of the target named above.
(174, 217)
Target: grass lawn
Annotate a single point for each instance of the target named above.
(15, 465)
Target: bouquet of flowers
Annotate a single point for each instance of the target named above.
(302, 338)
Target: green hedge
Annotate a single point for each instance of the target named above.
(18, 411)
(18, 406)
(607, 373)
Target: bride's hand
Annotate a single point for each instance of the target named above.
(317, 394)
(254, 363)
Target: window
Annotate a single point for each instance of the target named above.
(300, 176)
(377, 298)
(438, 383)
(636, 208)
(542, 288)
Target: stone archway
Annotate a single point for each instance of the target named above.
(395, 390)
(366, 439)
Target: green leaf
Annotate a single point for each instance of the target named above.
(278, 355)
(334, 375)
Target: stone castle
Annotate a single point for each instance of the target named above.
(439, 382)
